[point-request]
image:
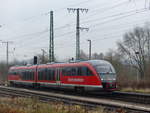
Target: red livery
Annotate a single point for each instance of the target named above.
(91, 75)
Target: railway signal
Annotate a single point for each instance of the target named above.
(35, 60)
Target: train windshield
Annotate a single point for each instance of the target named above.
(105, 70)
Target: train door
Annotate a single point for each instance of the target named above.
(58, 82)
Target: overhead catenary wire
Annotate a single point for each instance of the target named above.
(118, 18)
(98, 29)
(103, 10)
(105, 36)
(89, 22)
(46, 13)
(120, 14)
(114, 15)
(64, 34)
(109, 8)
(112, 6)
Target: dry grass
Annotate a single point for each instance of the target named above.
(147, 90)
(131, 85)
(23, 105)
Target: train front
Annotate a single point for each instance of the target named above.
(106, 73)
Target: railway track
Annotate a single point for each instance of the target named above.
(93, 101)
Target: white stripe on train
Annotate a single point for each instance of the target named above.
(59, 84)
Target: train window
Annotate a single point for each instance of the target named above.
(24, 75)
(32, 74)
(46, 74)
(88, 72)
(64, 71)
(67, 71)
(51, 74)
(84, 71)
(79, 71)
(71, 71)
(41, 74)
(27, 74)
(20, 73)
(74, 71)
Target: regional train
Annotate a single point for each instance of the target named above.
(90, 75)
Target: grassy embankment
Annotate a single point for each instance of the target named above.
(129, 85)
(136, 90)
(22, 105)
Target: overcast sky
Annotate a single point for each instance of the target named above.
(26, 24)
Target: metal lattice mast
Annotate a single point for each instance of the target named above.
(78, 36)
(51, 45)
(78, 29)
(7, 50)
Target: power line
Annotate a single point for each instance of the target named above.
(110, 8)
(71, 5)
(103, 39)
(114, 19)
(104, 35)
(107, 9)
(98, 29)
(31, 34)
(111, 16)
(70, 33)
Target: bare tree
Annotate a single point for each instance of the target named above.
(42, 59)
(135, 47)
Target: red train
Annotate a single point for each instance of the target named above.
(91, 75)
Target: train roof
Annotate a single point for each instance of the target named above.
(92, 62)
(98, 62)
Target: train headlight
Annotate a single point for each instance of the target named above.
(114, 78)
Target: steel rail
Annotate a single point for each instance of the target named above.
(71, 99)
